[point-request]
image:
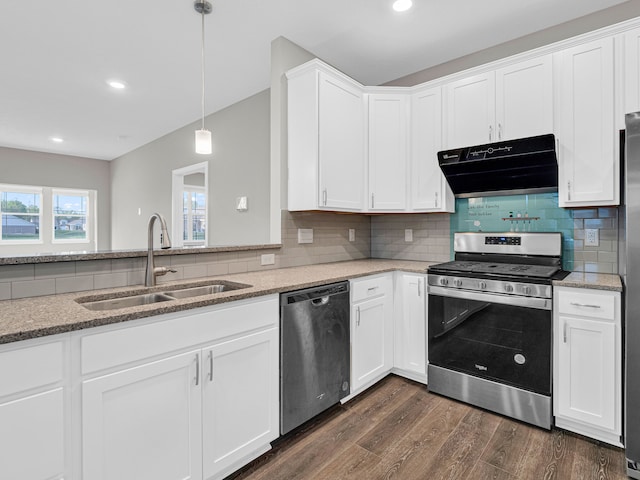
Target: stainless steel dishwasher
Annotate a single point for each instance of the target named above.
(314, 352)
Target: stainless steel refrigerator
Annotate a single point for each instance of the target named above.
(629, 255)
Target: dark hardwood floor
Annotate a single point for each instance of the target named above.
(398, 430)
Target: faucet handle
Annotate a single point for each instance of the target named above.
(158, 271)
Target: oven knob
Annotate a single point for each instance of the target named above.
(526, 290)
(444, 281)
(482, 285)
(508, 288)
(457, 282)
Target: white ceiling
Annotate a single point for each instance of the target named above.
(56, 56)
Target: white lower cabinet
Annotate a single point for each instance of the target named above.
(240, 400)
(198, 414)
(371, 329)
(587, 376)
(410, 321)
(34, 441)
(144, 422)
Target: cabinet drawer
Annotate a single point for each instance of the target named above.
(587, 303)
(30, 367)
(176, 331)
(369, 287)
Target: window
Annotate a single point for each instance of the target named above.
(42, 219)
(194, 215)
(20, 207)
(70, 216)
(189, 192)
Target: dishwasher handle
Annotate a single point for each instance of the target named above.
(319, 302)
(318, 296)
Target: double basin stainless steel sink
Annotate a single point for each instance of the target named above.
(175, 293)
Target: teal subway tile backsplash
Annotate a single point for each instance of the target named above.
(516, 213)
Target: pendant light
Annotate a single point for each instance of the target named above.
(203, 136)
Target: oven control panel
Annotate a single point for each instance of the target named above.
(503, 240)
(490, 286)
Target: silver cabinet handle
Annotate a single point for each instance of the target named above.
(211, 365)
(564, 332)
(197, 369)
(575, 304)
(490, 132)
(436, 199)
(358, 316)
(569, 190)
(419, 287)
(324, 197)
(373, 200)
(499, 131)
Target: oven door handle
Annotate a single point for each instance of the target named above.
(526, 302)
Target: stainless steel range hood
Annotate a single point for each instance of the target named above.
(525, 165)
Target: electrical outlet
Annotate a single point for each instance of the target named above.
(591, 237)
(408, 235)
(268, 259)
(352, 234)
(305, 235)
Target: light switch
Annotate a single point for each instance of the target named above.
(352, 234)
(242, 204)
(408, 235)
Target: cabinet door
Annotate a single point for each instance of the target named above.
(588, 167)
(341, 144)
(430, 191)
(240, 399)
(524, 99)
(470, 111)
(371, 351)
(387, 152)
(144, 422)
(585, 387)
(632, 71)
(32, 437)
(410, 325)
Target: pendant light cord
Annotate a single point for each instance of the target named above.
(203, 68)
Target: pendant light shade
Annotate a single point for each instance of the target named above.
(203, 136)
(203, 142)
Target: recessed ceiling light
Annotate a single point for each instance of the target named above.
(402, 5)
(117, 84)
(57, 139)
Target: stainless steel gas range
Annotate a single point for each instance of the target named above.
(490, 322)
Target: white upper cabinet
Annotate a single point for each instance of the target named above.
(588, 167)
(326, 140)
(632, 71)
(388, 151)
(470, 111)
(524, 99)
(430, 191)
(512, 102)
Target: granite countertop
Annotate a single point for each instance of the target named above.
(597, 281)
(28, 318)
(34, 317)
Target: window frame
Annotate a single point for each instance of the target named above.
(10, 188)
(90, 225)
(46, 232)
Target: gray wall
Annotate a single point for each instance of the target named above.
(238, 166)
(594, 21)
(284, 56)
(26, 167)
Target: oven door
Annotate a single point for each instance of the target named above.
(504, 338)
